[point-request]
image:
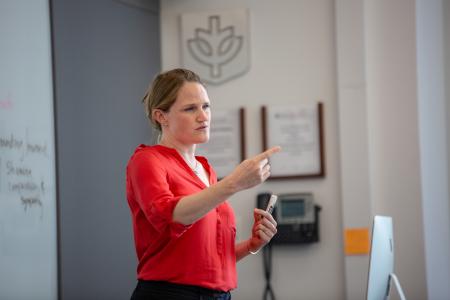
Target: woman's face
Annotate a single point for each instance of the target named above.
(187, 121)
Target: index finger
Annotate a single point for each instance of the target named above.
(266, 215)
(268, 153)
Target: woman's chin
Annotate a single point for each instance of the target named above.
(202, 140)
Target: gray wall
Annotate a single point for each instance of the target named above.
(105, 53)
(446, 19)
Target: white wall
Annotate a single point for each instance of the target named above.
(353, 135)
(393, 133)
(293, 61)
(433, 145)
(375, 105)
(379, 137)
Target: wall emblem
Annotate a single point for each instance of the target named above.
(216, 45)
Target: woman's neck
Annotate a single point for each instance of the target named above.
(186, 151)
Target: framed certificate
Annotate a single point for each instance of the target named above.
(226, 146)
(298, 129)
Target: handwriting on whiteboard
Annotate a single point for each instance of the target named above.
(21, 176)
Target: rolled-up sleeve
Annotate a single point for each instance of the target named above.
(152, 192)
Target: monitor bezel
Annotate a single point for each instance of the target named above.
(381, 262)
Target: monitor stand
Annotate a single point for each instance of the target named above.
(393, 277)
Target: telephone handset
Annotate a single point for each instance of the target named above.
(297, 217)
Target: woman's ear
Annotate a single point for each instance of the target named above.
(159, 116)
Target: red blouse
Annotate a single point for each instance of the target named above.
(201, 253)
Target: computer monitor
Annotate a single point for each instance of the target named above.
(381, 265)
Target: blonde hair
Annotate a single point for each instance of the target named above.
(163, 90)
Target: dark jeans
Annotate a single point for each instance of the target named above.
(161, 290)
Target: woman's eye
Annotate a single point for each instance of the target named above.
(189, 109)
(205, 106)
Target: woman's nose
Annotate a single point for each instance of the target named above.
(203, 115)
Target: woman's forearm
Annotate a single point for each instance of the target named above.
(242, 249)
(193, 207)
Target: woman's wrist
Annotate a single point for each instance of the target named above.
(229, 185)
(249, 249)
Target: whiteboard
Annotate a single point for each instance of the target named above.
(28, 232)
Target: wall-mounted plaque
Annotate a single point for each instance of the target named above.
(216, 45)
(298, 129)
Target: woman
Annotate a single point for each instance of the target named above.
(184, 229)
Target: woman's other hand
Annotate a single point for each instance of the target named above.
(264, 229)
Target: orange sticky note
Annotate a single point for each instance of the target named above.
(357, 241)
